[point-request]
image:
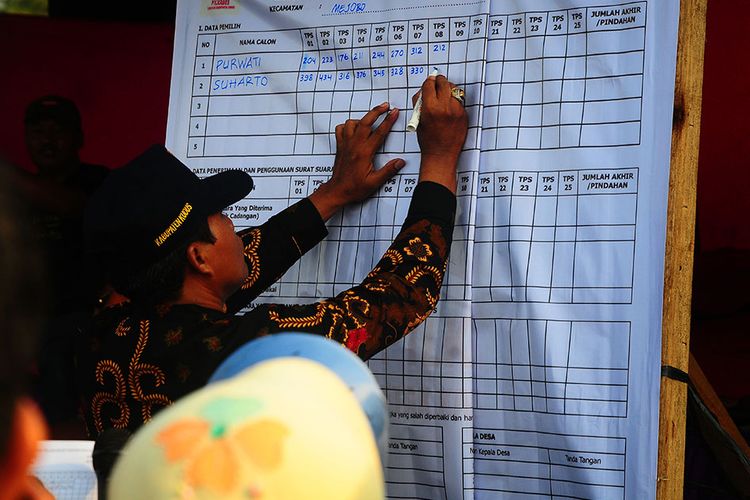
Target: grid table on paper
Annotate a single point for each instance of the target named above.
(545, 80)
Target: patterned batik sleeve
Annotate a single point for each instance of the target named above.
(272, 248)
(397, 295)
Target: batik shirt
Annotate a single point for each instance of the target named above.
(134, 361)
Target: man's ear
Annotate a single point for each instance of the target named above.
(27, 430)
(196, 257)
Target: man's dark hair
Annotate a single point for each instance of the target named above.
(21, 306)
(161, 281)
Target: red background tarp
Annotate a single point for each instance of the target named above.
(118, 74)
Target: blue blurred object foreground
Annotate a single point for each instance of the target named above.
(344, 363)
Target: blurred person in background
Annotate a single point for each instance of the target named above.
(56, 194)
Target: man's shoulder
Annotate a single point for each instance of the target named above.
(188, 317)
(109, 318)
(174, 328)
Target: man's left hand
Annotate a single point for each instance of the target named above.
(354, 176)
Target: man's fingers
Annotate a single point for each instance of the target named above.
(385, 127)
(428, 90)
(350, 126)
(388, 170)
(442, 87)
(371, 116)
(339, 136)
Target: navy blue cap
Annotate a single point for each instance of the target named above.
(150, 206)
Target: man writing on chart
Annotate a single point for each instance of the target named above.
(177, 258)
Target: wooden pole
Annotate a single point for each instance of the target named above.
(678, 270)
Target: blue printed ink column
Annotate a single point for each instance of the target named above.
(438, 46)
(474, 71)
(290, 282)
(361, 102)
(344, 86)
(565, 236)
(574, 80)
(309, 265)
(495, 56)
(378, 56)
(615, 46)
(361, 98)
(204, 61)
(511, 97)
(522, 207)
(336, 83)
(342, 110)
(397, 83)
(417, 69)
(501, 280)
(458, 49)
(482, 248)
(305, 95)
(456, 285)
(542, 248)
(530, 128)
(323, 98)
(553, 71)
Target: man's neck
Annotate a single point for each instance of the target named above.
(198, 293)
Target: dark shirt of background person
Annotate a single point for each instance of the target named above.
(63, 183)
(56, 195)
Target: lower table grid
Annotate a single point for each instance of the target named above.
(540, 366)
(557, 465)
